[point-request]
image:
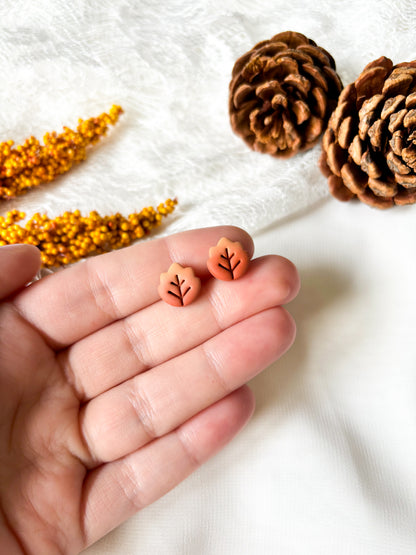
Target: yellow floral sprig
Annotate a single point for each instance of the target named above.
(71, 236)
(31, 164)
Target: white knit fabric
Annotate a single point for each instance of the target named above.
(328, 463)
(169, 68)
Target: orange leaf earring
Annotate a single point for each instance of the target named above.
(228, 260)
(179, 286)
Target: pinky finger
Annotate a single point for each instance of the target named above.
(18, 265)
(117, 490)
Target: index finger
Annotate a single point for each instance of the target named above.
(77, 301)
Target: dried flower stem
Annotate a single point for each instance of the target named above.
(31, 164)
(70, 237)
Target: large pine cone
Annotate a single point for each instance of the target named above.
(282, 93)
(369, 147)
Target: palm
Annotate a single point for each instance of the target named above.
(109, 397)
(41, 476)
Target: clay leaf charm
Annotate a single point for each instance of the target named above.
(179, 286)
(228, 260)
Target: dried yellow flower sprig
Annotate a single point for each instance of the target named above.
(31, 164)
(70, 237)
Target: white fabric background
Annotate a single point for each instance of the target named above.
(327, 465)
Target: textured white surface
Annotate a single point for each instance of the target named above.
(328, 463)
(169, 67)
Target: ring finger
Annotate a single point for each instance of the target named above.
(151, 404)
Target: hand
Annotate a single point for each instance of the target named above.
(108, 396)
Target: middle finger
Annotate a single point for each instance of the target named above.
(159, 332)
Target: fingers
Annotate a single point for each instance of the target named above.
(18, 265)
(116, 491)
(76, 302)
(153, 403)
(161, 332)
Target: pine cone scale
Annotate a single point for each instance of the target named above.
(345, 132)
(355, 150)
(342, 111)
(315, 53)
(411, 100)
(369, 165)
(397, 83)
(283, 65)
(333, 80)
(354, 178)
(295, 55)
(316, 77)
(396, 142)
(313, 129)
(291, 39)
(318, 102)
(382, 188)
(301, 111)
(242, 95)
(409, 157)
(406, 181)
(376, 134)
(395, 164)
(391, 105)
(338, 190)
(396, 120)
(410, 119)
(368, 197)
(336, 158)
(370, 81)
(405, 197)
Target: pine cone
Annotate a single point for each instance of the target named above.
(282, 93)
(369, 147)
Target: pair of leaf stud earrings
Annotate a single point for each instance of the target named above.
(180, 286)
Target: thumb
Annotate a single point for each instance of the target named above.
(18, 264)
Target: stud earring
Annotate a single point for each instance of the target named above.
(227, 260)
(179, 286)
